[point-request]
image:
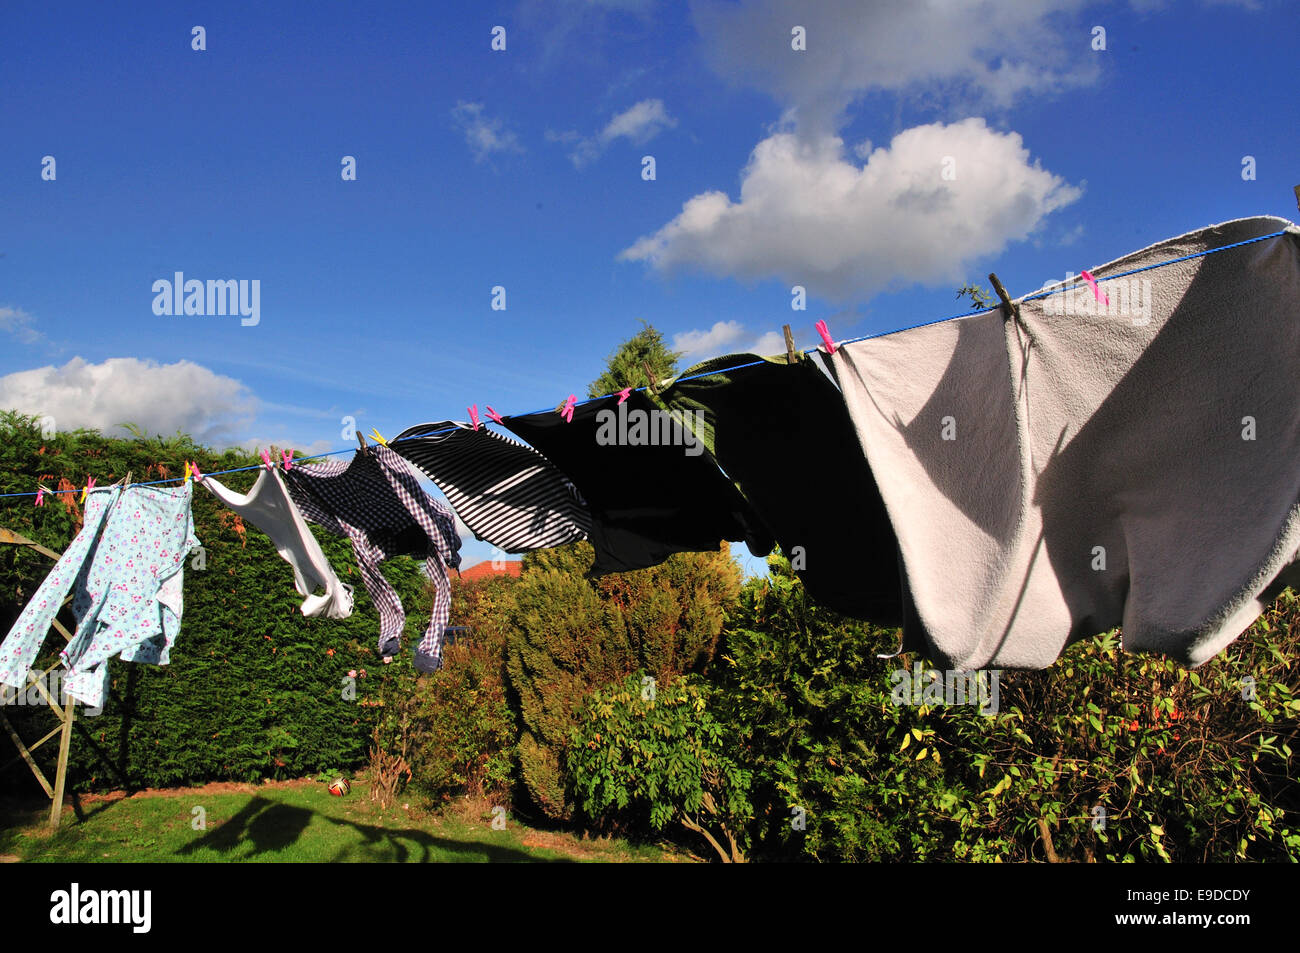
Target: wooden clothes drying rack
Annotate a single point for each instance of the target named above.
(66, 713)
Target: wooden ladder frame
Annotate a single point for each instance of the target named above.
(66, 713)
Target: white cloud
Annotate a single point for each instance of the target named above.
(990, 51)
(708, 343)
(809, 215)
(19, 323)
(767, 344)
(726, 337)
(483, 134)
(159, 398)
(638, 124)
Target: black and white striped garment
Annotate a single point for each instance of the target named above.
(507, 493)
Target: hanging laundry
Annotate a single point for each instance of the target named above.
(507, 493)
(781, 431)
(1126, 461)
(269, 507)
(376, 502)
(650, 489)
(127, 564)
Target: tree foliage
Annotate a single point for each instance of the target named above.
(626, 367)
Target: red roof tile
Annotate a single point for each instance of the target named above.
(485, 570)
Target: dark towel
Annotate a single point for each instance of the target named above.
(647, 501)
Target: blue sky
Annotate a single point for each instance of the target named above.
(522, 168)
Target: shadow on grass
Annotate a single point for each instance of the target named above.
(264, 826)
(84, 813)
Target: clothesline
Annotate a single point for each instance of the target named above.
(976, 553)
(109, 486)
(1064, 286)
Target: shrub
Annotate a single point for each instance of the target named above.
(1099, 757)
(803, 691)
(567, 635)
(1107, 757)
(648, 753)
(466, 736)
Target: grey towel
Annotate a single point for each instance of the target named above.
(1135, 465)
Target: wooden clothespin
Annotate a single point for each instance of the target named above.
(1009, 310)
(126, 480)
(361, 440)
(649, 378)
(789, 344)
(1297, 196)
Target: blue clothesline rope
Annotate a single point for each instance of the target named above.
(1064, 286)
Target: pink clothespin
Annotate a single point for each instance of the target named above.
(473, 416)
(266, 458)
(1096, 292)
(494, 415)
(287, 457)
(623, 394)
(194, 471)
(826, 336)
(40, 496)
(567, 410)
(90, 485)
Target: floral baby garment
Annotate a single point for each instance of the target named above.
(127, 566)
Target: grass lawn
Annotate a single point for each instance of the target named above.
(292, 821)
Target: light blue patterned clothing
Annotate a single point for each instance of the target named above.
(23, 643)
(127, 565)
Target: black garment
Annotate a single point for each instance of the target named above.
(782, 432)
(647, 501)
